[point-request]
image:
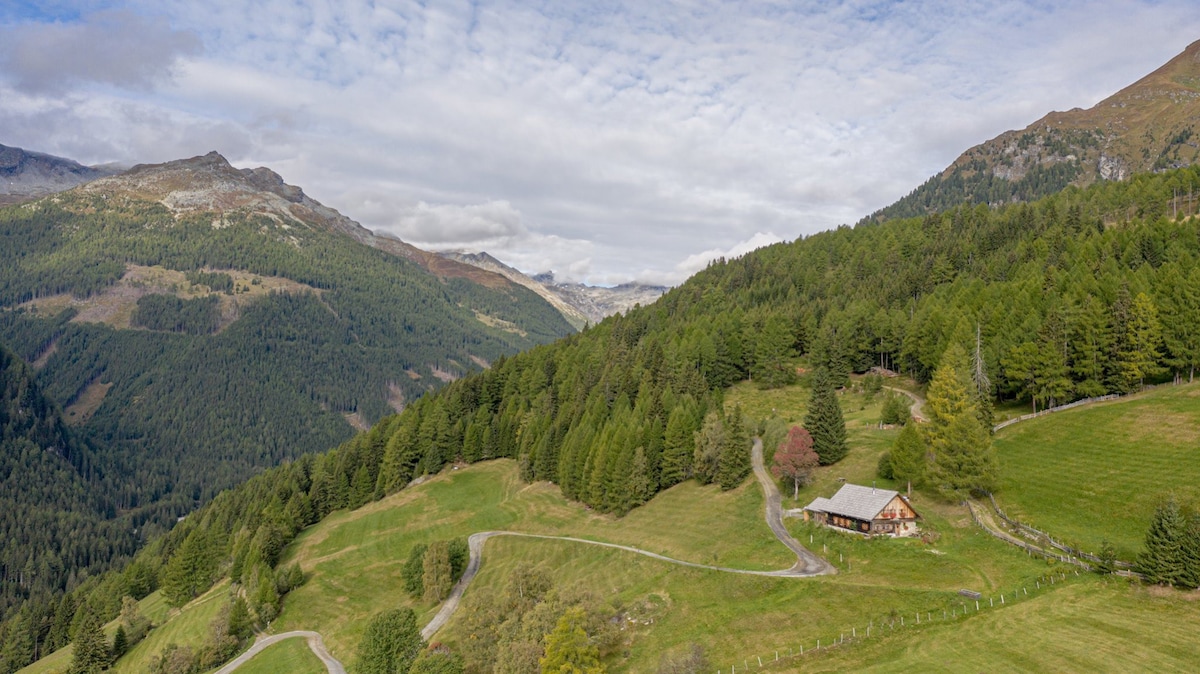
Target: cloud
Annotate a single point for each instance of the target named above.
(114, 47)
(608, 143)
(698, 261)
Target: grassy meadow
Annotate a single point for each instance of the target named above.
(1097, 472)
(290, 655)
(353, 560)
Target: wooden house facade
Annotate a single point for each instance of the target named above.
(865, 510)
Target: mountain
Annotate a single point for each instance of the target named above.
(1150, 125)
(580, 304)
(28, 175)
(199, 323)
(599, 302)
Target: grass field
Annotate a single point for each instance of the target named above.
(1099, 471)
(290, 655)
(353, 561)
(1089, 625)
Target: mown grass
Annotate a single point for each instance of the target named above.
(1098, 472)
(1087, 625)
(290, 655)
(187, 627)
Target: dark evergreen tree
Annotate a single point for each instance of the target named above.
(733, 464)
(1162, 559)
(824, 421)
(90, 648)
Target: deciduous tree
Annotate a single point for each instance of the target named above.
(795, 459)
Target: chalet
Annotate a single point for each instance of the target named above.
(865, 510)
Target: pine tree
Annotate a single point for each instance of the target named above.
(1138, 351)
(733, 464)
(960, 448)
(120, 642)
(824, 421)
(1162, 560)
(414, 570)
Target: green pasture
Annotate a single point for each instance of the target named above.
(1097, 472)
(290, 655)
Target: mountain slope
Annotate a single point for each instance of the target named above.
(54, 522)
(1148, 126)
(580, 304)
(28, 175)
(202, 322)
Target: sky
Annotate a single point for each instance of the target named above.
(605, 141)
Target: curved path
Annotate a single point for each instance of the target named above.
(807, 565)
(917, 409)
(314, 642)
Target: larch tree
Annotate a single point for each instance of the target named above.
(795, 459)
(961, 457)
(824, 420)
(908, 457)
(568, 650)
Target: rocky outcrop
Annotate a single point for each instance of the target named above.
(26, 175)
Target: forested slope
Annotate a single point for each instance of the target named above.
(54, 522)
(267, 336)
(1083, 292)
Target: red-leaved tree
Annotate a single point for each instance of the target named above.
(795, 459)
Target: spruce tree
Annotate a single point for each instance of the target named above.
(90, 647)
(678, 447)
(824, 420)
(733, 465)
(1189, 575)
(709, 441)
(1162, 560)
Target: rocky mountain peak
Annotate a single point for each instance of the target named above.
(26, 175)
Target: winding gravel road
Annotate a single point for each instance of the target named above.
(807, 565)
(314, 643)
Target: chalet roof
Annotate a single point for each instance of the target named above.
(852, 500)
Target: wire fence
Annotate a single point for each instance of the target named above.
(889, 624)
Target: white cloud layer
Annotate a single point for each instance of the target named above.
(605, 141)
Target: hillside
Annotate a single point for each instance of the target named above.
(610, 415)
(28, 175)
(1148, 126)
(198, 323)
(54, 520)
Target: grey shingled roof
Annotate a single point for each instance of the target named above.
(852, 500)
